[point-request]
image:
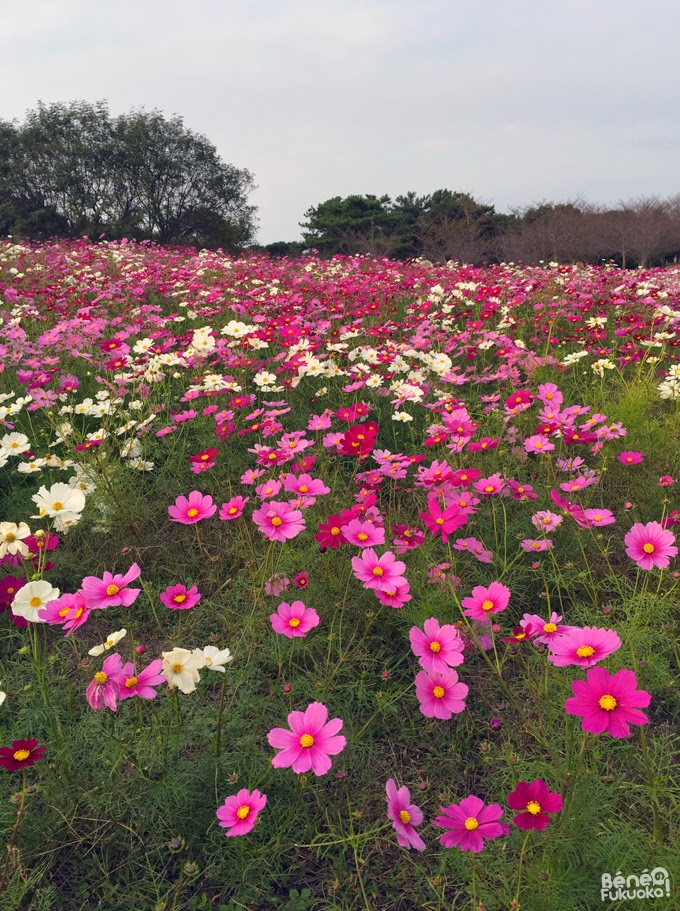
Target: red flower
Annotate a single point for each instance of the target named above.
(21, 755)
(329, 534)
(535, 801)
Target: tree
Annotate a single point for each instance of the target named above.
(73, 170)
(355, 224)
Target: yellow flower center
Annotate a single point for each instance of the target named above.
(276, 521)
(20, 755)
(100, 677)
(232, 510)
(294, 621)
(335, 530)
(303, 488)
(487, 605)
(377, 571)
(439, 521)
(79, 613)
(178, 599)
(585, 651)
(608, 703)
(550, 628)
(58, 505)
(435, 647)
(112, 590)
(487, 489)
(130, 682)
(471, 824)
(438, 692)
(306, 741)
(597, 518)
(405, 816)
(177, 668)
(64, 611)
(648, 548)
(243, 811)
(362, 536)
(10, 536)
(533, 807)
(192, 513)
(35, 602)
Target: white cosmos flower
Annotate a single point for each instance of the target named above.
(213, 659)
(113, 639)
(11, 538)
(14, 444)
(60, 501)
(33, 597)
(3, 696)
(180, 667)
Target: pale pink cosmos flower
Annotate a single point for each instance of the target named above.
(141, 683)
(268, 489)
(538, 443)
(438, 647)
(440, 694)
(294, 620)
(233, 508)
(309, 743)
(104, 688)
(405, 816)
(363, 534)
(486, 601)
(192, 509)
(305, 485)
(599, 517)
(276, 584)
(650, 545)
(111, 590)
(544, 520)
(491, 486)
(278, 521)
(544, 631)
(583, 647)
(239, 812)
(530, 546)
(474, 547)
(384, 573)
(179, 597)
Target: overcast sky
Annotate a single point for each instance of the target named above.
(513, 101)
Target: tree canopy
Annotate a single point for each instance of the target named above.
(72, 169)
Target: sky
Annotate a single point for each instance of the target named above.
(514, 102)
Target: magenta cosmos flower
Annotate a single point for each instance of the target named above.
(21, 755)
(486, 601)
(440, 695)
(309, 743)
(110, 590)
(608, 704)
(443, 521)
(438, 647)
(190, 510)
(544, 631)
(584, 647)
(179, 597)
(279, 521)
(534, 801)
(382, 573)
(233, 508)
(631, 458)
(650, 545)
(405, 816)
(239, 812)
(106, 683)
(142, 683)
(470, 822)
(294, 620)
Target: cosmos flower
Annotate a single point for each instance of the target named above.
(21, 755)
(111, 590)
(583, 646)
(535, 801)
(469, 823)
(650, 545)
(239, 812)
(309, 743)
(437, 647)
(405, 816)
(294, 620)
(608, 703)
(192, 509)
(440, 694)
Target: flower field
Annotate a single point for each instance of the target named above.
(343, 584)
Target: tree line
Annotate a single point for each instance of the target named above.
(72, 169)
(447, 225)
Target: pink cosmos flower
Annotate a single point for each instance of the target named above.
(544, 631)
(278, 521)
(68, 611)
(474, 547)
(438, 647)
(469, 823)
(179, 597)
(305, 485)
(650, 545)
(363, 534)
(598, 517)
(544, 520)
(383, 573)
(105, 686)
(276, 584)
(395, 596)
(440, 694)
(294, 620)
(534, 801)
(530, 546)
(538, 443)
(110, 590)
(268, 490)
(491, 486)
(666, 481)
(239, 812)
(486, 601)
(631, 458)
(608, 703)
(192, 509)
(405, 816)
(141, 684)
(443, 521)
(233, 508)
(309, 743)
(584, 647)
